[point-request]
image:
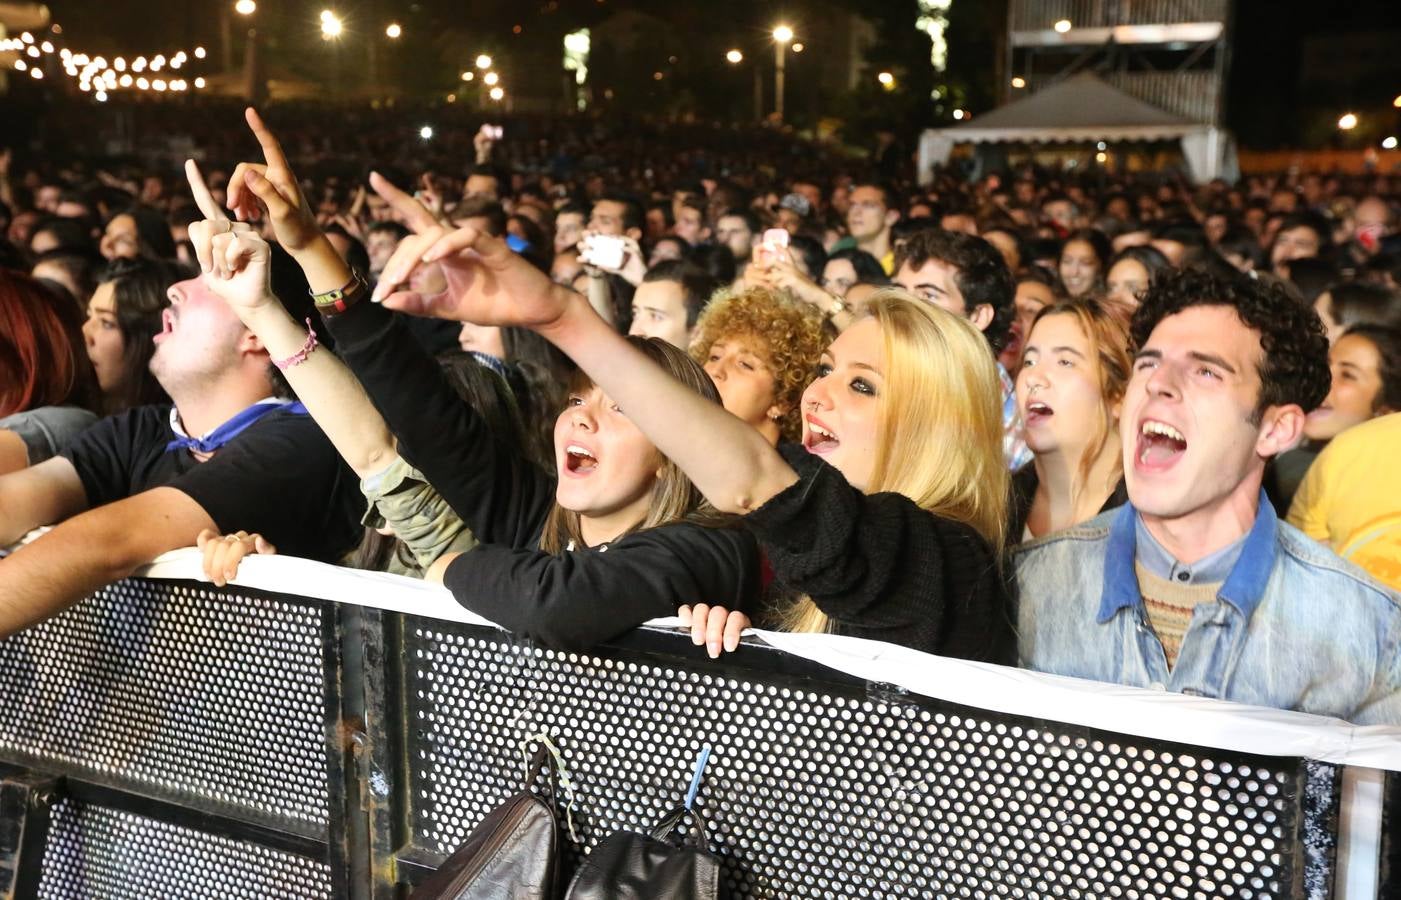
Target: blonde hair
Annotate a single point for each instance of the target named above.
(940, 425)
(674, 497)
(787, 334)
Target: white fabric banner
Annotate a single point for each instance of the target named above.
(1125, 710)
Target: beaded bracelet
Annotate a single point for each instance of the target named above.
(296, 359)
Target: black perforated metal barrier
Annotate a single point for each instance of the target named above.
(239, 744)
(826, 787)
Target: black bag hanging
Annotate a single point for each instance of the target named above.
(627, 865)
(512, 854)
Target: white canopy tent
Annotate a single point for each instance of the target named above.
(1080, 109)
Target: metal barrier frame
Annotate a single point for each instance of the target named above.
(370, 842)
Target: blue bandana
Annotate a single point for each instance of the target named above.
(230, 429)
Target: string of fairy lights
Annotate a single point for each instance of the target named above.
(100, 77)
(162, 74)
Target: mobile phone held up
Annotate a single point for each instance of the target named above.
(604, 251)
(774, 245)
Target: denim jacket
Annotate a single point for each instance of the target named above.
(1293, 626)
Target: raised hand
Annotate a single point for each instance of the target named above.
(486, 282)
(232, 257)
(272, 186)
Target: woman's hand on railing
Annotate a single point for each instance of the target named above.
(714, 626)
(223, 553)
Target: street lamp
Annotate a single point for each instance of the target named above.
(331, 24)
(781, 36)
(483, 62)
(393, 31)
(1348, 121)
(245, 7)
(491, 78)
(734, 57)
(497, 93)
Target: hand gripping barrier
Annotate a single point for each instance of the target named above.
(317, 732)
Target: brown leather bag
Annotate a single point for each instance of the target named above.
(511, 855)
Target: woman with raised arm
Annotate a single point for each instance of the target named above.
(541, 568)
(886, 522)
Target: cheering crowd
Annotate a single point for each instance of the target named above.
(1116, 428)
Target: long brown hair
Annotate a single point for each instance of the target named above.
(1104, 326)
(674, 497)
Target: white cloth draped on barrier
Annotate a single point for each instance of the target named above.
(1152, 714)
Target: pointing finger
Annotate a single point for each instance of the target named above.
(203, 198)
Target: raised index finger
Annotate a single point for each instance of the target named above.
(272, 150)
(203, 198)
(416, 216)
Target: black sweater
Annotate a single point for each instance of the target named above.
(883, 568)
(571, 600)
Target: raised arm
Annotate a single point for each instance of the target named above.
(235, 260)
(730, 462)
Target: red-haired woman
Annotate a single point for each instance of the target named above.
(46, 381)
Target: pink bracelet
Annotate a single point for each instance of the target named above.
(296, 359)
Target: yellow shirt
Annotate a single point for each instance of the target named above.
(1351, 498)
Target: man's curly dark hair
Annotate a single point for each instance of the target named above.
(1294, 365)
(983, 276)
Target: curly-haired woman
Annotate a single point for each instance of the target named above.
(760, 348)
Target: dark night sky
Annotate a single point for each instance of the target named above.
(1265, 102)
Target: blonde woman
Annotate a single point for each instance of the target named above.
(886, 522)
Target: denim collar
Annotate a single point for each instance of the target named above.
(1243, 588)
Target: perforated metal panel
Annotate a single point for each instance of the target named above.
(821, 789)
(97, 852)
(176, 690)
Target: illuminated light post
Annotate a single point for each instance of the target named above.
(331, 25)
(393, 31)
(245, 7)
(1348, 122)
(490, 79)
(483, 62)
(734, 57)
(468, 76)
(497, 93)
(781, 36)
